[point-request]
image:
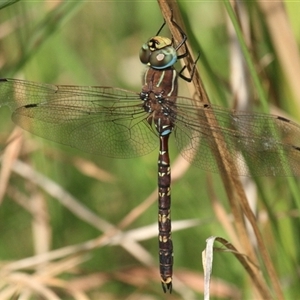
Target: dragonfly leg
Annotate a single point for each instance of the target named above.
(189, 79)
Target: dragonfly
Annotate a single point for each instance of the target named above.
(118, 123)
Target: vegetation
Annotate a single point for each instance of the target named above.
(77, 226)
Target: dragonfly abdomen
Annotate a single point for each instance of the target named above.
(164, 215)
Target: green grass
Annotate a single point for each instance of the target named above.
(97, 43)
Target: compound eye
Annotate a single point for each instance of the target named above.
(145, 54)
(164, 58)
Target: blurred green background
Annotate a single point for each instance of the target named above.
(97, 43)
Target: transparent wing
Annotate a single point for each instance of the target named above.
(112, 122)
(259, 144)
(99, 120)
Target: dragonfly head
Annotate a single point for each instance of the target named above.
(158, 53)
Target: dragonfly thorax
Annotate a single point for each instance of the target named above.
(158, 53)
(159, 96)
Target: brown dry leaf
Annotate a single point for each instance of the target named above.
(10, 154)
(91, 169)
(284, 42)
(218, 288)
